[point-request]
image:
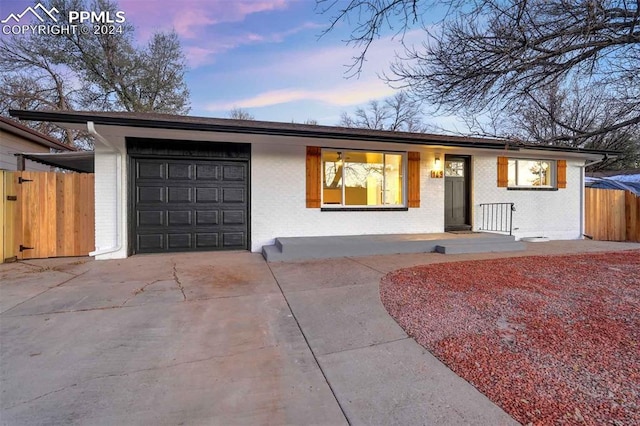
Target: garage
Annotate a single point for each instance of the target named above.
(188, 196)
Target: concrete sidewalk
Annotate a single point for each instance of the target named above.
(379, 375)
(223, 338)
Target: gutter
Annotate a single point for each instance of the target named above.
(118, 245)
(583, 194)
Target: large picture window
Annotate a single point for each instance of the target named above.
(531, 173)
(359, 178)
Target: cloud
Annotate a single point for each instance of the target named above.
(206, 51)
(315, 75)
(322, 62)
(349, 93)
(197, 56)
(191, 17)
(187, 23)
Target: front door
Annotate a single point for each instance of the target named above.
(456, 193)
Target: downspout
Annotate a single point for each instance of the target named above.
(118, 245)
(582, 193)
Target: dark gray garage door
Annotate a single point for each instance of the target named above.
(189, 205)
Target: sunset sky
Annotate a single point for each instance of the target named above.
(264, 56)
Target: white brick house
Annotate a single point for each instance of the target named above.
(173, 183)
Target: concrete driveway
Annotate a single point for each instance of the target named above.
(181, 339)
(220, 338)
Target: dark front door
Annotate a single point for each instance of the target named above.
(456, 193)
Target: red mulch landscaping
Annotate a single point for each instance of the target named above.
(550, 339)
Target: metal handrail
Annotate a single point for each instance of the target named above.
(497, 217)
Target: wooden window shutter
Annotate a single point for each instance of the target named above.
(503, 172)
(413, 179)
(561, 175)
(313, 176)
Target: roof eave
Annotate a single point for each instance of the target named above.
(326, 132)
(34, 136)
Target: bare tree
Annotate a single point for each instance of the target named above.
(486, 54)
(536, 119)
(240, 114)
(396, 113)
(91, 70)
(373, 116)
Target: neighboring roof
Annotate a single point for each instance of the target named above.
(18, 129)
(78, 161)
(626, 182)
(180, 122)
(616, 174)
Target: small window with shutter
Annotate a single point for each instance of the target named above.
(526, 173)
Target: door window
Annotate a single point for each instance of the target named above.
(454, 168)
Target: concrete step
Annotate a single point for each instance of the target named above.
(480, 247)
(298, 248)
(272, 253)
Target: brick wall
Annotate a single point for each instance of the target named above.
(278, 202)
(278, 197)
(552, 214)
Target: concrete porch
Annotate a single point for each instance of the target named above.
(300, 248)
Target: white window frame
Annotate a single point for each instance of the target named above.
(404, 185)
(553, 166)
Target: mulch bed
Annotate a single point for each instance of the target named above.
(550, 339)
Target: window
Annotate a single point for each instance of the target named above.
(454, 168)
(531, 173)
(359, 178)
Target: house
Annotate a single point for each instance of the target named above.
(168, 183)
(15, 138)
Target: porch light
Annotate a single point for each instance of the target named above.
(436, 162)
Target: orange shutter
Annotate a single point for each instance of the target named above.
(313, 176)
(562, 173)
(503, 172)
(413, 179)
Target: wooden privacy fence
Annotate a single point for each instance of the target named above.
(612, 215)
(47, 214)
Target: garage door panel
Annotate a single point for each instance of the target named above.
(234, 172)
(205, 240)
(233, 217)
(180, 218)
(179, 195)
(207, 172)
(207, 195)
(184, 205)
(207, 217)
(178, 241)
(150, 170)
(150, 194)
(179, 171)
(150, 242)
(233, 195)
(150, 218)
(233, 239)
